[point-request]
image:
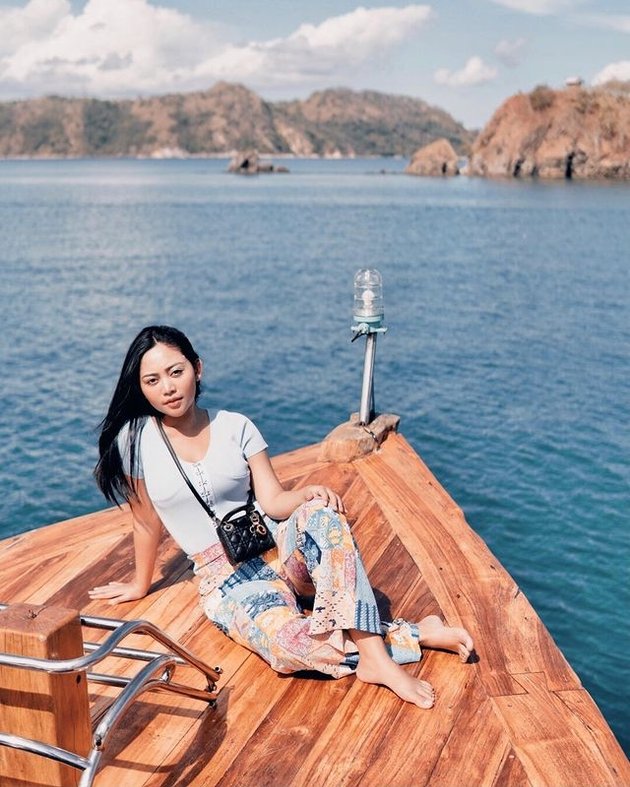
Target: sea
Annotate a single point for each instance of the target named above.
(506, 355)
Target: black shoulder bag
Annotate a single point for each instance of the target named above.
(243, 532)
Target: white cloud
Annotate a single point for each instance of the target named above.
(618, 22)
(111, 46)
(335, 45)
(619, 70)
(509, 51)
(475, 72)
(125, 47)
(34, 22)
(539, 7)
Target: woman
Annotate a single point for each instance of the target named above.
(257, 602)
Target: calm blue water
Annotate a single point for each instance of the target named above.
(507, 354)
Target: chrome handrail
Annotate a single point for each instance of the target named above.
(123, 629)
(163, 664)
(45, 749)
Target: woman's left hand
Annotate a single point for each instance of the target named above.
(326, 494)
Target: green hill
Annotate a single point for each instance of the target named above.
(223, 119)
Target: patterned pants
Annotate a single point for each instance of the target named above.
(260, 604)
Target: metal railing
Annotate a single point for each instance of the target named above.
(155, 676)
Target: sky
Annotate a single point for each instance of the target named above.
(465, 56)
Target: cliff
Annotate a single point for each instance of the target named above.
(223, 119)
(571, 133)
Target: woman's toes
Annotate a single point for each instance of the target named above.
(466, 647)
(427, 701)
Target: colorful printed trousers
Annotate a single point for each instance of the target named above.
(261, 603)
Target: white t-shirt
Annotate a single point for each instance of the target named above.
(221, 477)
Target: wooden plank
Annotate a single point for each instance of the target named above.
(351, 738)
(370, 528)
(151, 729)
(509, 636)
(338, 477)
(590, 717)
(554, 745)
(296, 462)
(458, 591)
(512, 774)
(189, 749)
(57, 538)
(18, 585)
(409, 594)
(410, 747)
(477, 730)
(117, 564)
(185, 764)
(241, 707)
(531, 647)
(288, 732)
(55, 575)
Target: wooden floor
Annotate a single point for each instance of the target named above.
(517, 716)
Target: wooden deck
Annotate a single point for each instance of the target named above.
(518, 716)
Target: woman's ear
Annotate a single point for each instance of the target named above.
(198, 369)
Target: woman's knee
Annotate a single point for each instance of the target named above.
(315, 514)
(310, 507)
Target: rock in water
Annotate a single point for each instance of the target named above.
(437, 158)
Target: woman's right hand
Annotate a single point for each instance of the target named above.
(117, 592)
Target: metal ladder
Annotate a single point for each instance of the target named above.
(155, 676)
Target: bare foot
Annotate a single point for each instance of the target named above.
(392, 675)
(434, 634)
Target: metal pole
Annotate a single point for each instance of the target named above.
(366, 410)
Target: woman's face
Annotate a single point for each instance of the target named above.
(168, 380)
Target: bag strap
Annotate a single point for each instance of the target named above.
(205, 506)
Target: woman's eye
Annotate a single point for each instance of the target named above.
(177, 372)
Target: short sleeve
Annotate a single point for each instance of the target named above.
(124, 448)
(251, 440)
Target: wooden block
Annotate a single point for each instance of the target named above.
(350, 440)
(38, 705)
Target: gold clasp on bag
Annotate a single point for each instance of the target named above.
(257, 526)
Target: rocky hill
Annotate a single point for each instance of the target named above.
(570, 133)
(223, 119)
(436, 158)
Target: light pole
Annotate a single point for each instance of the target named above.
(368, 316)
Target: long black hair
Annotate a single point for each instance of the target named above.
(130, 406)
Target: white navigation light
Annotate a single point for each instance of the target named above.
(368, 296)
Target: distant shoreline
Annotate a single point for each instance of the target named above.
(207, 156)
